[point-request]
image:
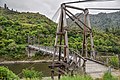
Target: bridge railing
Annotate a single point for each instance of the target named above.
(104, 58)
(77, 59)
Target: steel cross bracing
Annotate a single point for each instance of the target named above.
(61, 40)
(85, 27)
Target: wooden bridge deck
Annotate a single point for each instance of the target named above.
(96, 70)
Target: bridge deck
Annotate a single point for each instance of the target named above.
(97, 70)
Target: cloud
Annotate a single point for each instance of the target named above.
(46, 7)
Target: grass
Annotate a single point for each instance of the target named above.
(114, 61)
(109, 76)
(77, 77)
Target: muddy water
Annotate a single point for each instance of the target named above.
(17, 67)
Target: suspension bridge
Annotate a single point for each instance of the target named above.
(92, 67)
(70, 61)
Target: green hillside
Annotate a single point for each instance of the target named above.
(106, 30)
(16, 26)
(106, 20)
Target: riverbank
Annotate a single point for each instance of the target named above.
(24, 61)
(44, 78)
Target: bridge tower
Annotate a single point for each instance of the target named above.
(61, 41)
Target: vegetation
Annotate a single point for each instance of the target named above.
(106, 76)
(106, 32)
(77, 77)
(109, 76)
(6, 74)
(32, 74)
(114, 61)
(15, 28)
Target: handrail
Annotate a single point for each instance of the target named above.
(78, 54)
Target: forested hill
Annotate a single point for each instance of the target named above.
(106, 29)
(106, 20)
(16, 26)
(103, 21)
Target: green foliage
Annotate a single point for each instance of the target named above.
(77, 77)
(108, 76)
(32, 74)
(114, 61)
(6, 74)
(15, 28)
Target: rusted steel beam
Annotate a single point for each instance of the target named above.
(91, 34)
(61, 30)
(62, 71)
(79, 15)
(119, 59)
(86, 1)
(66, 50)
(84, 49)
(74, 2)
(73, 7)
(99, 62)
(77, 19)
(60, 33)
(103, 8)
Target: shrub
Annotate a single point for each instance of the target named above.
(32, 74)
(6, 74)
(77, 77)
(114, 61)
(109, 76)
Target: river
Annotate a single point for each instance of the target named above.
(39, 66)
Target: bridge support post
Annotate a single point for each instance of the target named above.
(61, 34)
(84, 48)
(91, 34)
(119, 59)
(29, 52)
(84, 68)
(52, 74)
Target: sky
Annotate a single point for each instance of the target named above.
(49, 7)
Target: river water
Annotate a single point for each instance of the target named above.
(39, 66)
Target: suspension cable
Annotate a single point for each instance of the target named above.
(86, 1)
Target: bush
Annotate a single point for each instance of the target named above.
(32, 74)
(108, 76)
(114, 61)
(77, 77)
(6, 74)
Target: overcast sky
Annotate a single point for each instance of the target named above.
(49, 7)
